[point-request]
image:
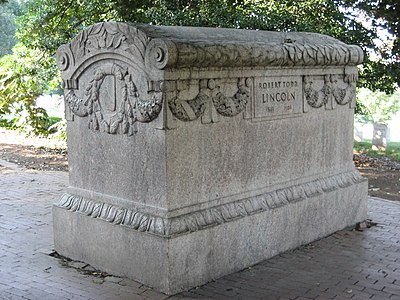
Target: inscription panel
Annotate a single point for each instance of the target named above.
(277, 97)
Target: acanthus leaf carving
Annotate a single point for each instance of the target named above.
(112, 36)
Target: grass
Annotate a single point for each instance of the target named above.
(392, 150)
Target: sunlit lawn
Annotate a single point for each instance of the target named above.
(392, 150)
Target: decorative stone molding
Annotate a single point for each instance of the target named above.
(191, 109)
(131, 107)
(165, 46)
(151, 50)
(109, 37)
(210, 93)
(283, 52)
(314, 97)
(231, 106)
(345, 95)
(167, 227)
(332, 87)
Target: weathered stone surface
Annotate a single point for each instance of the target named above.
(195, 152)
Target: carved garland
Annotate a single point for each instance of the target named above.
(231, 106)
(346, 95)
(209, 217)
(318, 98)
(209, 92)
(132, 107)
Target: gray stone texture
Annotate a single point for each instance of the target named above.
(196, 152)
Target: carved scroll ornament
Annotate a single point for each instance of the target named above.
(131, 108)
(210, 93)
(331, 88)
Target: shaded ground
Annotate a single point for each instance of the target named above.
(32, 152)
(383, 175)
(31, 157)
(35, 153)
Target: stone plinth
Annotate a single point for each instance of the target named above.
(196, 152)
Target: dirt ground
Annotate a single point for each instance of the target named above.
(383, 176)
(34, 153)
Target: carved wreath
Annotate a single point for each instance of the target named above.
(131, 108)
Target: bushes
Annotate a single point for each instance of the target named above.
(34, 121)
(24, 76)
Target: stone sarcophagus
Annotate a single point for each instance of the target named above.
(196, 152)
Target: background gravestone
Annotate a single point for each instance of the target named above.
(196, 152)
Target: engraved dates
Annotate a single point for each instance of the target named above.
(277, 97)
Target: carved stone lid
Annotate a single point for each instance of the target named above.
(162, 47)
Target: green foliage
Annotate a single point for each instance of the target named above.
(384, 14)
(384, 17)
(392, 150)
(36, 121)
(58, 130)
(25, 75)
(379, 107)
(46, 24)
(9, 11)
(49, 23)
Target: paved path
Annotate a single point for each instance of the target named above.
(345, 265)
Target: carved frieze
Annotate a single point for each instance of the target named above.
(167, 227)
(344, 95)
(339, 88)
(231, 106)
(317, 98)
(123, 58)
(209, 92)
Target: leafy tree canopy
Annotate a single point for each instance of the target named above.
(49, 23)
(383, 16)
(380, 107)
(9, 11)
(46, 24)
